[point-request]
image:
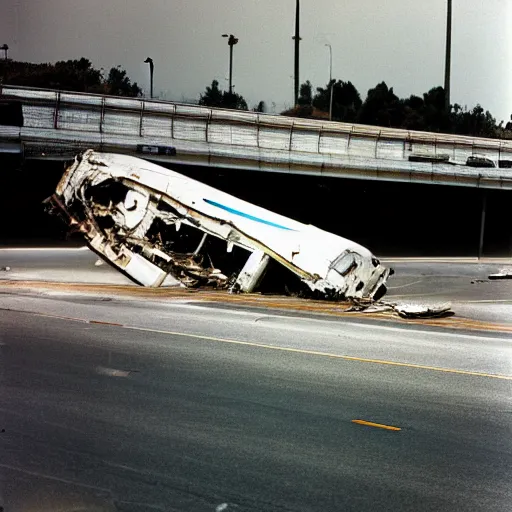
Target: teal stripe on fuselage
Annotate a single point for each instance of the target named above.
(246, 215)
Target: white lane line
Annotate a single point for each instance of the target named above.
(56, 478)
(405, 285)
(112, 372)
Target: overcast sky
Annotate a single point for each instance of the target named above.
(399, 41)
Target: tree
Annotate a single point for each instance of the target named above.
(436, 119)
(305, 94)
(474, 122)
(260, 107)
(382, 107)
(214, 97)
(70, 75)
(74, 75)
(118, 84)
(346, 100)
(413, 113)
(234, 101)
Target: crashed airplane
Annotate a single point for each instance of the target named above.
(162, 228)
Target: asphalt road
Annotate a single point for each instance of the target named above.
(191, 408)
(60, 265)
(464, 283)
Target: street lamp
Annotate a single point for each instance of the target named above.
(330, 80)
(448, 58)
(149, 61)
(232, 40)
(4, 47)
(297, 40)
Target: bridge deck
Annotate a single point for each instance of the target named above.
(56, 125)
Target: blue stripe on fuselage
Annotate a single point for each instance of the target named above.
(245, 215)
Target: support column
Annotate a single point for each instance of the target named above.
(482, 224)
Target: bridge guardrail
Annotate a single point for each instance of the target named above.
(56, 118)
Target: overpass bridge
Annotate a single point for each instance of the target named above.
(55, 125)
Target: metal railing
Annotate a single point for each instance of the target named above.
(57, 122)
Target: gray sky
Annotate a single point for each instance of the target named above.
(398, 41)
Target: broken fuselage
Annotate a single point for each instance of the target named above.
(162, 228)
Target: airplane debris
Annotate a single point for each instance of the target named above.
(422, 310)
(162, 228)
(407, 310)
(505, 273)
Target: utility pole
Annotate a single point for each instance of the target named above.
(447, 63)
(149, 61)
(330, 81)
(296, 37)
(232, 40)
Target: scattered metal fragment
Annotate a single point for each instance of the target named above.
(162, 228)
(369, 307)
(404, 310)
(422, 310)
(502, 274)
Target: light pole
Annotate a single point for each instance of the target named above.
(330, 80)
(149, 61)
(448, 59)
(296, 37)
(5, 48)
(232, 40)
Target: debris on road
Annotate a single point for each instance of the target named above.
(161, 228)
(422, 310)
(5, 269)
(505, 273)
(404, 310)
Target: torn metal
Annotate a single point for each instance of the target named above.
(504, 273)
(404, 310)
(411, 310)
(162, 228)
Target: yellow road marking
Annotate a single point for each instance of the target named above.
(324, 354)
(282, 349)
(105, 323)
(377, 425)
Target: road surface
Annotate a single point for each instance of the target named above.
(129, 405)
(464, 283)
